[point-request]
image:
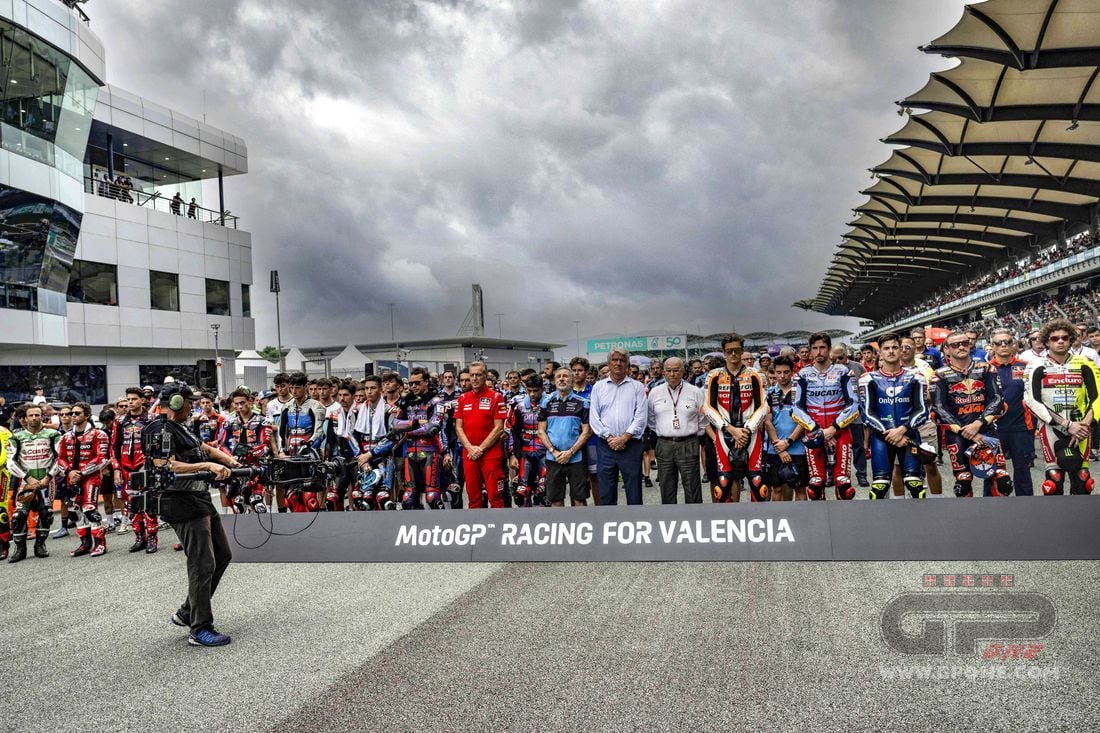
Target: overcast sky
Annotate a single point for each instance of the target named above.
(684, 166)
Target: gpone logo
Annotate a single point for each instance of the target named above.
(967, 616)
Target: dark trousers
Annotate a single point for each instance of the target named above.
(1019, 447)
(678, 461)
(208, 555)
(859, 455)
(611, 463)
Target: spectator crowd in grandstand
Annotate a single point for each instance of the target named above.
(969, 284)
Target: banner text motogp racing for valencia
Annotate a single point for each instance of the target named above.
(1062, 528)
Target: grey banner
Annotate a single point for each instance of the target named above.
(1041, 528)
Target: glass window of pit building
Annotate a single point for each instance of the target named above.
(164, 291)
(217, 297)
(93, 283)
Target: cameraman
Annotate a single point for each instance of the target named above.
(186, 505)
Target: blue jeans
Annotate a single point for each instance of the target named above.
(1019, 447)
(611, 463)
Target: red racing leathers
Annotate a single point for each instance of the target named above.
(827, 399)
(126, 458)
(86, 453)
(745, 409)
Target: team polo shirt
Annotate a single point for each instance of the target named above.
(565, 418)
(586, 397)
(479, 412)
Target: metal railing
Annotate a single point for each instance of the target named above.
(159, 202)
(75, 7)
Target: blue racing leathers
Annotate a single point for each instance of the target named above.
(889, 401)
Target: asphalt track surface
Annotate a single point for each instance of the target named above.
(518, 647)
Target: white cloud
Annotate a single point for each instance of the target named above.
(680, 165)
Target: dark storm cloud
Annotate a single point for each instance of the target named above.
(685, 165)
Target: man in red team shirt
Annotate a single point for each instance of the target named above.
(479, 423)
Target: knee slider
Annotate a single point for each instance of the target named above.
(720, 492)
(435, 499)
(19, 521)
(815, 491)
(1053, 483)
(963, 488)
(1082, 482)
(408, 500)
(915, 486)
(757, 488)
(844, 488)
(92, 514)
(879, 487)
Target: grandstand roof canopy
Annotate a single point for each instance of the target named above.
(1005, 161)
(1026, 34)
(985, 92)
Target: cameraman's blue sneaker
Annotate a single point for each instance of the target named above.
(179, 618)
(207, 637)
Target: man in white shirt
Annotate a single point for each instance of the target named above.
(1080, 348)
(675, 414)
(1037, 352)
(618, 418)
(278, 403)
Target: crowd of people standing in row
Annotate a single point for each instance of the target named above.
(784, 427)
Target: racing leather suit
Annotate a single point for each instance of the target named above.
(421, 420)
(961, 397)
(523, 425)
(29, 456)
(371, 435)
(248, 441)
(1058, 394)
(889, 401)
(452, 476)
(126, 458)
(300, 425)
(208, 428)
(7, 499)
(86, 453)
(745, 409)
(824, 399)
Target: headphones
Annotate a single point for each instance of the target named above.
(175, 402)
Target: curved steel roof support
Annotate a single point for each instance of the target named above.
(1030, 226)
(1042, 33)
(924, 175)
(968, 101)
(1067, 151)
(993, 99)
(1081, 186)
(1078, 213)
(1000, 33)
(947, 146)
(1081, 99)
